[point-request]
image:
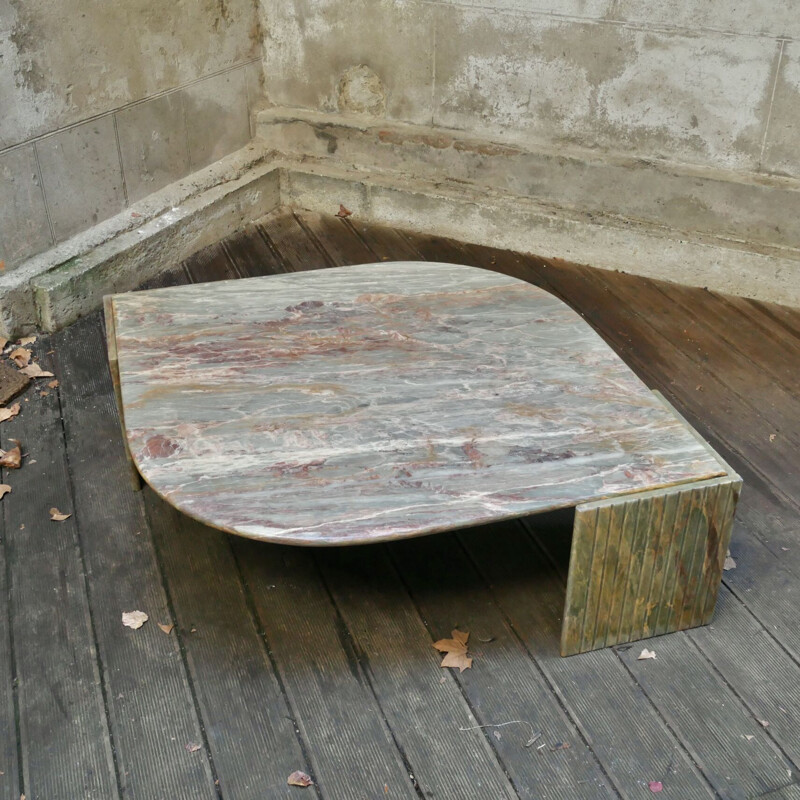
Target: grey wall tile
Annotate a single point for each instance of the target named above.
(782, 146)
(24, 230)
(313, 43)
(700, 99)
(216, 117)
(81, 176)
(68, 60)
(153, 144)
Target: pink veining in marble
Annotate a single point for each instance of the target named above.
(382, 401)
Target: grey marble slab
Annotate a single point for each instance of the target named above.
(383, 401)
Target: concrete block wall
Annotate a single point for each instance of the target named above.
(103, 104)
(711, 85)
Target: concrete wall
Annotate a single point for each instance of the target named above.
(102, 103)
(708, 84)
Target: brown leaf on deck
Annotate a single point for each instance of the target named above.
(53, 384)
(11, 459)
(35, 371)
(26, 340)
(343, 212)
(166, 628)
(456, 651)
(21, 357)
(298, 778)
(3, 342)
(57, 516)
(4, 490)
(9, 413)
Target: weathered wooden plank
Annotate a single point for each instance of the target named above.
(250, 254)
(350, 747)
(10, 788)
(338, 240)
(293, 246)
(504, 684)
(625, 731)
(210, 264)
(709, 717)
(386, 243)
(424, 715)
(247, 723)
(148, 696)
(63, 728)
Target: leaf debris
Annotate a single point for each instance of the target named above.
(645, 654)
(11, 459)
(299, 778)
(193, 747)
(166, 628)
(21, 357)
(35, 371)
(730, 562)
(134, 619)
(455, 650)
(57, 516)
(343, 212)
(4, 490)
(9, 413)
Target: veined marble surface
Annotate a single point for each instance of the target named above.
(381, 401)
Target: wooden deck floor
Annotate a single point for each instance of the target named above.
(283, 659)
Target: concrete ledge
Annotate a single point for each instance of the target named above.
(483, 216)
(751, 209)
(52, 290)
(138, 243)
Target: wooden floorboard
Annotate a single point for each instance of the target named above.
(283, 659)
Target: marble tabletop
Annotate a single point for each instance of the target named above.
(382, 401)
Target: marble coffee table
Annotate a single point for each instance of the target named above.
(384, 401)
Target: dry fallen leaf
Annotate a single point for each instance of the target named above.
(27, 340)
(57, 516)
(646, 654)
(763, 723)
(730, 562)
(655, 786)
(772, 437)
(134, 619)
(456, 651)
(3, 342)
(343, 212)
(166, 628)
(9, 413)
(192, 747)
(35, 371)
(4, 490)
(20, 356)
(749, 737)
(11, 459)
(53, 384)
(298, 778)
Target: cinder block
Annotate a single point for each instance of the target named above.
(153, 144)
(766, 17)
(313, 43)
(782, 147)
(216, 117)
(700, 99)
(24, 230)
(82, 176)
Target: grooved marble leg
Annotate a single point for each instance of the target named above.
(111, 342)
(647, 563)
